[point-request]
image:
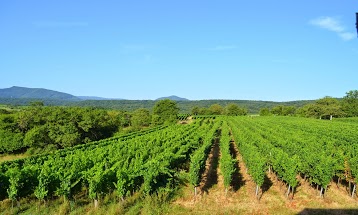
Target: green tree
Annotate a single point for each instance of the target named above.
(277, 110)
(165, 111)
(234, 110)
(37, 103)
(195, 110)
(309, 110)
(141, 117)
(288, 110)
(37, 137)
(216, 109)
(205, 111)
(264, 112)
(329, 107)
(350, 103)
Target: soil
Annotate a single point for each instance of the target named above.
(241, 198)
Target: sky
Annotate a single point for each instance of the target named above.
(275, 50)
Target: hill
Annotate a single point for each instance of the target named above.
(35, 93)
(174, 98)
(24, 96)
(95, 98)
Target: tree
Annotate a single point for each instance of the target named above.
(309, 110)
(350, 103)
(37, 103)
(264, 112)
(37, 136)
(195, 110)
(329, 107)
(277, 110)
(141, 117)
(165, 111)
(288, 110)
(281, 110)
(205, 111)
(216, 109)
(234, 110)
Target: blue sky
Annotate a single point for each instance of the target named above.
(258, 50)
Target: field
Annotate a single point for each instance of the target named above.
(216, 165)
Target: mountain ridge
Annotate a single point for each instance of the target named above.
(185, 106)
(35, 93)
(172, 97)
(17, 92)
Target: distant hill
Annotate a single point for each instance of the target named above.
(19, 96)
(174, 98)
(43, 94)
(95, 98)
(35, 93)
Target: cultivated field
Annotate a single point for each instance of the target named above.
(212, 165)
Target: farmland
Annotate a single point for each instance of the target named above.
(280, 157)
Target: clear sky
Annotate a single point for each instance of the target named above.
(275, 50)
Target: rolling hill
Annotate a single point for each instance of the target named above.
(35, 93)
(174, 98)
(19, 96)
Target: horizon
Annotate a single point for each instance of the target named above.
(162, 97)
(259, 51)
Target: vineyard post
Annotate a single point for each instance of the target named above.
(257, 190)
(354, 190)
(349, 187)
(288, 190)
(293, 192)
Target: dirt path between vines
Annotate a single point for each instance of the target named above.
(241, 199)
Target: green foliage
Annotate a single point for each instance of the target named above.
(350, 103)
(329, 107)
(15, 178)
(326, 107)
(234, 110)
(145, 159)
(131, 105)
(39, 127)
(165, 112)
(216, 109)
(141, 117)
(227, 163)
(281, 110)
(198, 158)
(148, 161)
(195, 110)
(264, 112)
(10, 141)
(37, 136)
(45, 178)
(124, 184)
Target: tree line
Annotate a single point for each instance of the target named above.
(38, 128)
(231, 109)
(324, 108)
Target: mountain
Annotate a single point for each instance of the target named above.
(91, 98)
(174, 98)
(24, 96)
(95, 98)
(35, 93)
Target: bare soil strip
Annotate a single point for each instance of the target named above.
(241, 197)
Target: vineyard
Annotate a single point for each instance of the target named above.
(293, 150)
